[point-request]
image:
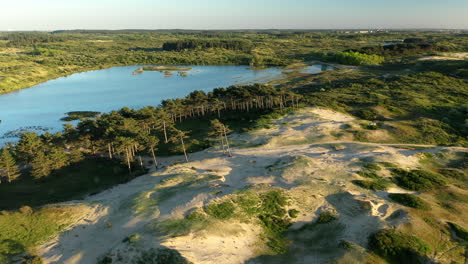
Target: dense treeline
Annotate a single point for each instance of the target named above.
(180, 45)
(411, 48)
(23, 39)
(129, 134)
(354, 58)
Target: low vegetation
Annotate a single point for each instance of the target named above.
(397, 247)
(409, 200)
(26, 228)
(374, 185)
(418, 180)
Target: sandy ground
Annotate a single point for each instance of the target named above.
(447, 56)
(321, 181)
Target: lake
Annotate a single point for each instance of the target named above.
(40, 108)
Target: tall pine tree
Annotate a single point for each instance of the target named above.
(8, 167)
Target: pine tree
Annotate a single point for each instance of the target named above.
(8, 167)
(40, 166)
(220, 131)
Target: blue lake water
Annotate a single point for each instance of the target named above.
(111, 89)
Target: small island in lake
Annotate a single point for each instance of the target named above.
(164, 69)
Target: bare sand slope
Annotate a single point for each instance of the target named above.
(297, 154)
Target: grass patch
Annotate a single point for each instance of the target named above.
(417, 180)
(222, 210)
(409, 200)
(389, 164)
(368, 174)
(372, 166)
(27, 228)
(396, 247)
(377, 185)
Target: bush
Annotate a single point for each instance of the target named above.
(417, 180)
(356, 58)
(367, 174)
(409, 200)
(326, 217)
(161, 256)
(293, 213)
(378, 185)
(372, 166)
(222, 210)
(132, 239)
(454, 174)
(397, 247)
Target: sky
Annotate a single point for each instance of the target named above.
(227, 14)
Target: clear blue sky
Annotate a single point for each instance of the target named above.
(227, 14)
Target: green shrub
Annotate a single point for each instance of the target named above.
(454, 174)
(372, 166)
(326, 217)
(367, 174)
(417, 180)
(161, 256)
(389, 164)
(293, 213)
(222, 210)
(377, 185)
(132, 239)
(397, 247)
(409, 200)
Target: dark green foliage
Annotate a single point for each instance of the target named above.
(459, 231)
(397, 247)
(356, 58)
(104, 260)
(161, 256)
(326, 217)
(180, 45)
(269, 209)
(372, 166)
(376, 185)
(454, 174)
(77, 115)
(389, 164)
(417, 180)
(293, 213)
(409, 200)
(368, 114)
(404, 49)
(9, 170)
(368, 174)
(222, 210)
(132, 239)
